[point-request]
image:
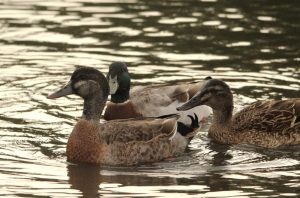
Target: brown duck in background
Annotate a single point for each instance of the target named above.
(270, 123)
(118, 142)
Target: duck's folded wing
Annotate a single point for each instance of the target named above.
(167, 93)
(268, 116)
(161, 100)
(137, 130)
(156, 96)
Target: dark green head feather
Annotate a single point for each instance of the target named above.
(119, 82)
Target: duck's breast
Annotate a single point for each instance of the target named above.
(84, 144)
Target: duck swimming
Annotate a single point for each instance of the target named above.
(151, 101)
(117, 142)
(269, 123)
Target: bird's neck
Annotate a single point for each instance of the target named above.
(220, 129)
(120, 96)
(223, 116)
(93, 107)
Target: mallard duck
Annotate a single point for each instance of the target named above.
(269, 123)
(151, 101)
(116, 142)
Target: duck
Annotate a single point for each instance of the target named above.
(151, 100)
(120, 142)
(266, 123)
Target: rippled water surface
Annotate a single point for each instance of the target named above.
(253, 45)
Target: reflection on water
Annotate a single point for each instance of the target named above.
(253, 45)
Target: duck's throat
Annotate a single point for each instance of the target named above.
(220, 127)
(223, 116)
(93, 108)
(120, 96)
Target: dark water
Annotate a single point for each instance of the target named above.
(253, 45)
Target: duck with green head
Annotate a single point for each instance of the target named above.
(151, 101)
(117, 142)
(269, 123)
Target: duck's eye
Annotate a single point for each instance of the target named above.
(221, 93)
(113, 81)
(217, 90)
(206, 97)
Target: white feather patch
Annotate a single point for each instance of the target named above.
(174, 131)
(113, 85)
(201, 111)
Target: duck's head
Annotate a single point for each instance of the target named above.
(85, 82)
(214, 93)
(119, 82)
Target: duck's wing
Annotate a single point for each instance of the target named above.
(268, 116)
(166, 94)
(159, 95)
(160, 100)
(137, 130)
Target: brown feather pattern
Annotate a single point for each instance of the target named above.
(117, 142)
(123, 142)
(268, 123)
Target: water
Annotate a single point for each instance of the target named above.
(253, 45)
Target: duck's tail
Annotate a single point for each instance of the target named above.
(188, 131)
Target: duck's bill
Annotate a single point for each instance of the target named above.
(193, 102)
(186, 106)
(66, 90)
(113, 84)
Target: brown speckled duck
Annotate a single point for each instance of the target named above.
(151, 101)
(270, 123)
(118, 142)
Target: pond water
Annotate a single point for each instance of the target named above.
(252, 45)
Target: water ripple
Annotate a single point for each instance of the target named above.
(252, 46)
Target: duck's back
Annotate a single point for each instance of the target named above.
(269, 122)
(267, 116)
(153, 101)
(149, 99)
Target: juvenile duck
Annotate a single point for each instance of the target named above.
(270, 123)
(151, 101)
(117, 142)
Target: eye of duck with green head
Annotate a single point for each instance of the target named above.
(151, 101)
(117, 142)
(270, 123)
